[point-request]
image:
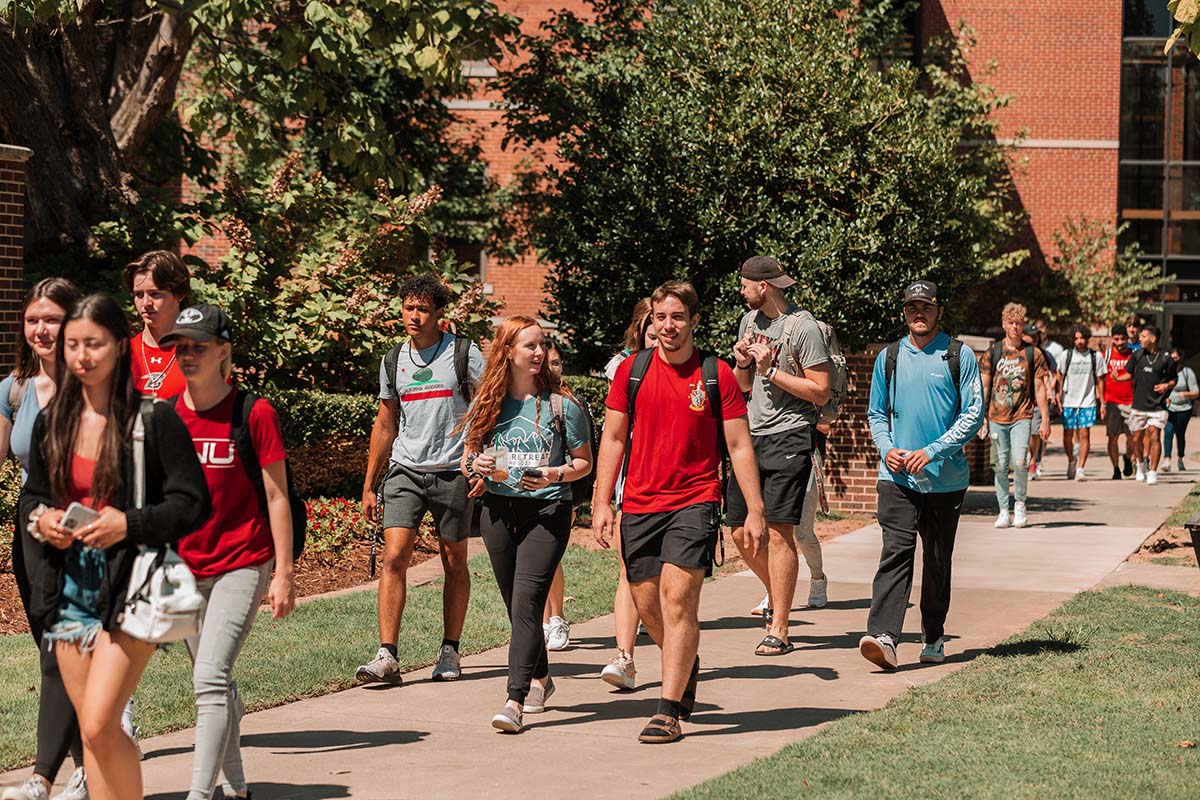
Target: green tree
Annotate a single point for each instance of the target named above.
(692, 137)
(1092, 281)
(92, 86)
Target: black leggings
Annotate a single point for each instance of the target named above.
(525, 538)
(57, 729)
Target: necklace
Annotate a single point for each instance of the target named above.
(437, 348)
(154, 380)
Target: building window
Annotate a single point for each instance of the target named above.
(1158, 192)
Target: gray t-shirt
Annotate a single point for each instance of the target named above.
(429, 405)
(1079, 379)
(771, 409)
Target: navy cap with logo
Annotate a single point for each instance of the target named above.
(924, 291)
(201, 323)
(765, 268)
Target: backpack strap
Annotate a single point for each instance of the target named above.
(390, 360)
(954, 362)
(462, 367)
(16, 393)
(997, 354)
(556, 417)
(712, 387)
(889, 374)
(1066, 370)
(239, 431)
(641, 364)
(790, 323)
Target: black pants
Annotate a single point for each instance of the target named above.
(525, 539)
(57, 728)
(905, 514)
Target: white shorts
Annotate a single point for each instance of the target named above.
(1140, 420)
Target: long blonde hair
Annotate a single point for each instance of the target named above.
(493, 384)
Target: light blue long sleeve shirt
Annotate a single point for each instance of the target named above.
(924, 414)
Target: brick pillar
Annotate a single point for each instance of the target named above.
(12, 239)
(853, 466)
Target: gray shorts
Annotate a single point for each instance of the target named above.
(408, 494)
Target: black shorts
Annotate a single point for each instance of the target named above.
(784, 464)
(685, 537)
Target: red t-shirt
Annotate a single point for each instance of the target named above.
(238, 534)
(160, 376)
(1119, 392)
(673, 461)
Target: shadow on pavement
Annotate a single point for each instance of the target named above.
(307, 742)
(983, 503)
(775, 719)
(277, 791)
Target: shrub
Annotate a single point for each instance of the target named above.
(592, 391)
(10, 490)
(333, 466)
(311, 415)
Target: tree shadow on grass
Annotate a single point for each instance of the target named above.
(276, 791)
(1034, 647)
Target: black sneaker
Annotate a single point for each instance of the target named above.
(1128, 467)
(1116, 473)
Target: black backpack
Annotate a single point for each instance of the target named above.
(239, 431)
(462, 367)
(952, 357)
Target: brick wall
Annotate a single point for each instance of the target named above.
(853, 465)
(12, 236)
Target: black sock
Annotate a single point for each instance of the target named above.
(670, 708)
(452, 642)
(391, 648)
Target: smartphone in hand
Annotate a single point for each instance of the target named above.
(77, 516)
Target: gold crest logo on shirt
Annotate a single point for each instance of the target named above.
(697, 396)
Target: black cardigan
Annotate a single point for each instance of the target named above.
(177, 503)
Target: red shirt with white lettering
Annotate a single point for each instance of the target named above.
(1119, 392)
(238, 534)
(155, 369)
(674, 458)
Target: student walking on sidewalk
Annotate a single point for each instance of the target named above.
(248, 536)
(1081, 393)
(1153, 375)
(82, 453)
(1179, 411)
(666, 410)
(1014, 381)
(529, 438)
(425, 386)
(1118, 401)
(161, 287)
(926, 404)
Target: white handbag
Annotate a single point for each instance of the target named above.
(162, 603)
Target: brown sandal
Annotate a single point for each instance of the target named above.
(661, 729)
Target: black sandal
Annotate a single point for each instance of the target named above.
(687, 703)
(775, 647)
(661, 729)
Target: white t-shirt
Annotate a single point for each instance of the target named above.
(1079, 383)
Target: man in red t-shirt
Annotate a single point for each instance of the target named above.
(1118, 399)
(672, 496)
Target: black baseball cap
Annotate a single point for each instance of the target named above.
(1030, 330)
(765, 268)
(925, 291)
(201, 323)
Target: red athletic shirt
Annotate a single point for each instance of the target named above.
(673, 462)
(1119, 392)
(238, 534)
(161, 376)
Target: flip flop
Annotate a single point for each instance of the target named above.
(775, 647)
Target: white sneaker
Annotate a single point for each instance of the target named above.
(31, 789)
(1141, 475)
(818, 592)
(1165, 466)
(76, 788)
(620, 672)
(448, 666)
(1079, 476)
(384, 668)
(1037, 473)
(1019, 518)
(559, 634)
(758, 610)
(1003, 520)
(879, 650)
(1151, 478)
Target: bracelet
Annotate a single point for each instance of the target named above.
(35, 516)
(771, 373)
(469, 467)
(745, 367)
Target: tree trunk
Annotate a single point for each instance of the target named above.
(85, 101)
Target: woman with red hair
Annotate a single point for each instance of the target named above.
(527, 437)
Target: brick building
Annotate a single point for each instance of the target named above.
(12, 237)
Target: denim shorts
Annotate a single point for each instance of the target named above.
(78, 607)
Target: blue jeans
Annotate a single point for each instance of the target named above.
(1177, 423)
(1011, 445)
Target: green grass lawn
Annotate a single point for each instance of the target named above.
(315, 651)
(1187, 508)
(1091, 702)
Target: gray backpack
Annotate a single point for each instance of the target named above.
(838, 374)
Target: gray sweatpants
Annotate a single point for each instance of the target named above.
(806, 536)
(231, 604)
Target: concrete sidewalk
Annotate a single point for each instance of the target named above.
(434, 740)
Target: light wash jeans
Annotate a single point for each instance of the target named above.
(231, 604)
(1011, 446)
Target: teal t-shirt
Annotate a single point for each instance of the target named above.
(527, 429)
